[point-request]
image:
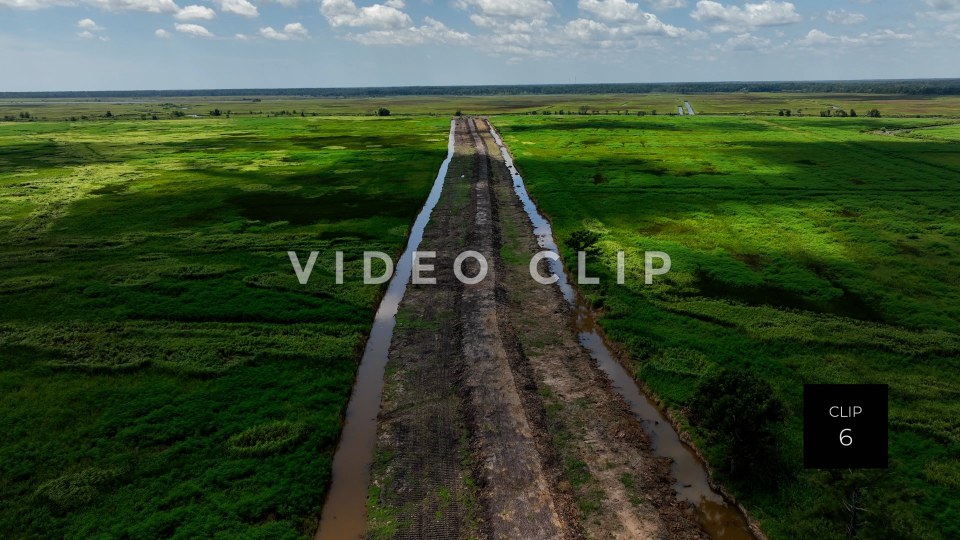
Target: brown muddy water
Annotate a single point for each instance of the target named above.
(718, 517)
(344, 514)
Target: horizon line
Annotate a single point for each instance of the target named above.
(266, 90)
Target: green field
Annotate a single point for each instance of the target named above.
(806, 250)
(662, 104)
(162, 373)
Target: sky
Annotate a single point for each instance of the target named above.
(48, 45)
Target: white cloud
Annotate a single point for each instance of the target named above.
(733, 18)
(815, 38)
(745, 42)
(88, 24)
(611, 10)
(34, 4)
(161, 33)
(432, 31)
(661, 5)
(291, 32)
(194, 30)
(192, 13)
(842, 16)
(386, 24)
(631, 18)
(149, 6)
(607, 28)
(239, 7)
(535, 9)
(88, 28)
(943, 10)
(877, 36)
(346, 13)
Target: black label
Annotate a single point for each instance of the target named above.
(845, 426)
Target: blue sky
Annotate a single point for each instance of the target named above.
(166, 44)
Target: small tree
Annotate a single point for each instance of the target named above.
(583, 240)
(739, 412)
(458, 113)
(109, 114)
(853, 113)
(874, 113)
(383, 111)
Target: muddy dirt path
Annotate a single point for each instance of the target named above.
(621, 490)
(517, 494)
(458, 455)
(495, 422)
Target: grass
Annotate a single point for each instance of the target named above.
(807, 250)
(162, 373)
(753, 103)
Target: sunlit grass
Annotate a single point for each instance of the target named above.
(807, 250)
(162, 372)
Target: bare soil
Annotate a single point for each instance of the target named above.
(495, 422)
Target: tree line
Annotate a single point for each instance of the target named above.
(907, 86)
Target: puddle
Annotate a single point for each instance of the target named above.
(718, 518)
(344, 513)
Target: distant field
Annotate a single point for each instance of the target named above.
(662, 104)
(162, 373)
(807, 250)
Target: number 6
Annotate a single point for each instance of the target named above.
(845, 440)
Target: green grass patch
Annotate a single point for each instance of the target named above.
(162, 372)
(805, 250)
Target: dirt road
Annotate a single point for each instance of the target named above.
(495, 422)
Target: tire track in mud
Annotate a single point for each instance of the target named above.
(462, 451)
(621, 490)
(517, 495)
(495, 422)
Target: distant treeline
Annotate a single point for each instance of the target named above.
(913, 87)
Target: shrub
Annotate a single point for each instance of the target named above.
(266, 438)
(739, 412)
(78, 489)
(583, 240)
(26, 283)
